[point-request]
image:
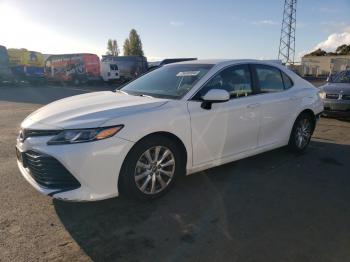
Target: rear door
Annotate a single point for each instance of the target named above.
(278, 104)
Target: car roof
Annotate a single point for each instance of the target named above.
(229, 61)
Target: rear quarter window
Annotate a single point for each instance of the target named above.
(288, 83)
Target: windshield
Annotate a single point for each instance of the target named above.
(172, 81)
(342, 77)
(113, 67)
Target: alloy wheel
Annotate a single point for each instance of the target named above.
(303, 133)
(154, 170)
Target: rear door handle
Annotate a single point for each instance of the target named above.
(251, 106)
(293, 98)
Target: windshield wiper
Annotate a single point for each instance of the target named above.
(145, 96)
(120, 91)
(123, 92)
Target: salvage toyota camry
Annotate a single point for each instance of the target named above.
(179, 119)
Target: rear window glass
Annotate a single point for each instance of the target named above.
(269, 78)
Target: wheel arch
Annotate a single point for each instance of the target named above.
(171, 136)
(311, 113)
(308, 111)
(166, 134)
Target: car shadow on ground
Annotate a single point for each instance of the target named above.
(276, 206)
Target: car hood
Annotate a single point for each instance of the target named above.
(336, 88)
(88, 110)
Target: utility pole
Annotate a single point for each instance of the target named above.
(286, 51)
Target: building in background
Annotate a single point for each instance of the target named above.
(323, 66)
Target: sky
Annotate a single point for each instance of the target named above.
(173, 28)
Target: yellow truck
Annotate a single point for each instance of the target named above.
(26, 65)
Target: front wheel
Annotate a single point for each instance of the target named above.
(301, 133)
(151, 167)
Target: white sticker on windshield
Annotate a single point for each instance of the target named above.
(188, 73)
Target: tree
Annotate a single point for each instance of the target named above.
(126, 47)
(133, 44)
(340, 50)
(343, 50)
(317, 52)
(112, 47)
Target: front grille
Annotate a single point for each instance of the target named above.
(48, 171)
(25, 133)
(332, 96)
(346, 97)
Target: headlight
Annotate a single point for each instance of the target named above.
(84, 135)
(322, 94)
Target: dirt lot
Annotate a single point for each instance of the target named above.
(276, 206)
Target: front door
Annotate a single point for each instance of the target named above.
(227, 128)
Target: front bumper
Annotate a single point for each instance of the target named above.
(95, 165)
(336, 107)
(333, 113)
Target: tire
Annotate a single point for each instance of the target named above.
(140, 178)
(301, 133)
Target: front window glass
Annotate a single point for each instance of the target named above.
(172, 81)
(236, 80)
(342, 77)
(269, 78)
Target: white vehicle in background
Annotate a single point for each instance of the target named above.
(179, 119)
(109, 71)
(130, 67)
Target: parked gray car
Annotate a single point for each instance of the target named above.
(336, 95)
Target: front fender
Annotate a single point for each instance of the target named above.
(172, 118)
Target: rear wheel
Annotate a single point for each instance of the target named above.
(301, 133)
(151, 167)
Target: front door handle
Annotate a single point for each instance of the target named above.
(251, 106)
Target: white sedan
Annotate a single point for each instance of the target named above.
(179, 119)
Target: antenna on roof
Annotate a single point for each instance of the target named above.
(286, 51)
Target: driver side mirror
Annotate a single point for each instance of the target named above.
(214, 96)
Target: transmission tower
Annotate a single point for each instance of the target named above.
(286, 51)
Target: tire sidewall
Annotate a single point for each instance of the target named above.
(292, 140)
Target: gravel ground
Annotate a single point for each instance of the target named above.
(276, 206)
